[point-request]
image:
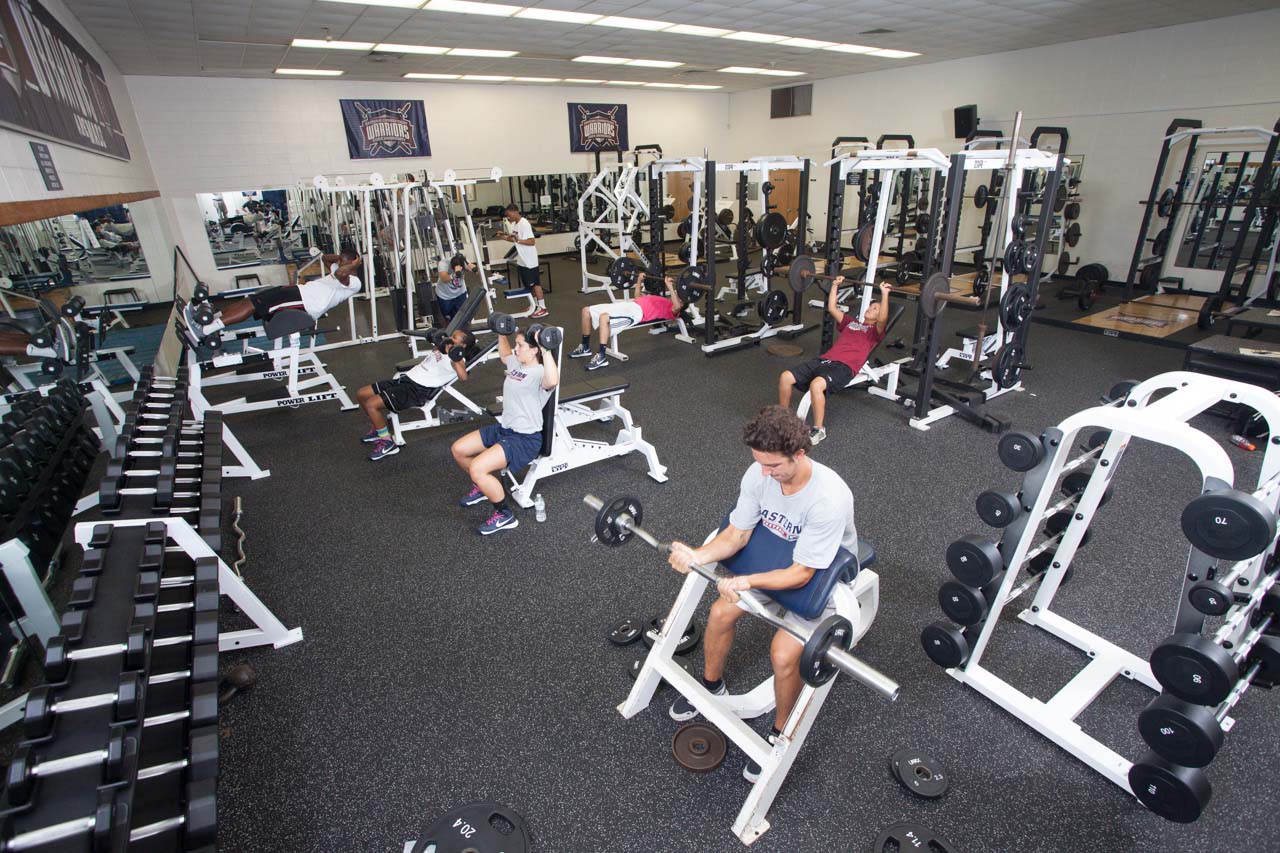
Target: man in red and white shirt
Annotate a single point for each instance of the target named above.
(837, 366)
(610, 317)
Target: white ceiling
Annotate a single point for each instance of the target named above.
(250, 38)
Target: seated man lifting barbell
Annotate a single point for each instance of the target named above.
(805, 504)
(315, 297)
(413, 388)
(516, 439)
(610, 317)
(838, 365)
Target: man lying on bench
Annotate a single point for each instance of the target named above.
(805, 511)
(315, 297)
(613, 317)
(837, 366)
(413, 388)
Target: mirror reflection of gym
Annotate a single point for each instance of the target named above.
(92, 246)
(252, 227)
(1214, 220)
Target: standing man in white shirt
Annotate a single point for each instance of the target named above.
(526, 257)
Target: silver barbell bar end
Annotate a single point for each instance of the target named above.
(592, 501)
(868, 675)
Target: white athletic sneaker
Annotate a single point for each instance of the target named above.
(816, 435)
(581, 352)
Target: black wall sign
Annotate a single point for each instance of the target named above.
(44, 160)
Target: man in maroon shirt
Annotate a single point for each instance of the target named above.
(837, 366)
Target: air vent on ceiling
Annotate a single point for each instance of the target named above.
(879, 31)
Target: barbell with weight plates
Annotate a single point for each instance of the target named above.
(803, 272)
(692, 283)
(826, 649)
(982, 196)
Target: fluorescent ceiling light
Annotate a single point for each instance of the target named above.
(422, 75)
(581, 80)
(310, 72)
(602, 60)
(693, 30)
(536, 79)
(893, 54)
(467, 7)
(700, 86)
(558, 16)
(654, 63)
(399, 4)
(851, 48)
(666, 85)
(409, 48)
(810, 43)
(762, 38)
(478, 51)
(632, 23)
(331, 44)
(486, 78)
(774, 72)
(623, 83)
(741, 69)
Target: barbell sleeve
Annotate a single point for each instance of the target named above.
(859, 671)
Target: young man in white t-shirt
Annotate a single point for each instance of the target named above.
(526, 257)
(794, 499)
(413, 388)
(315, 297)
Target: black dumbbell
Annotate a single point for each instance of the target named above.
(547, 337)
(502, 324)
(41, 709)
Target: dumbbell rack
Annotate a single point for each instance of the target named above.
(182, 491)
(42, 472)
(1165, 422)
(120, 748)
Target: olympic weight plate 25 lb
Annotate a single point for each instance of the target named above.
(476, 828)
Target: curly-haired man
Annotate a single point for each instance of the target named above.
(797, 500)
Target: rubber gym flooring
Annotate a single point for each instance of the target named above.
(440, 667)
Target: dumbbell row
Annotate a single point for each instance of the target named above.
(127, 701)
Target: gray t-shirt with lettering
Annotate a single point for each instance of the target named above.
(818, 518)
(523, 396)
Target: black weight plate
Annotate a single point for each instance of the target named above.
(725, 217)
(1008, 366)
(687, 643)
(1160, 243)
(606, 529)
(902, 272)
(1164, 204)
(477, 828)
(685, 226)
(1013, 257)
(1087, 295)
(1016, 306)
(771, 231)
(862, 241)
(1030, 258)
(981, 196)
(773, 308)
(633, 669)
(1072, 235)
(919, 773)
(699, 747)
(1019, 225)
(801, 272)
(1064, 262)
(1060, 200)
(905, 837)
(834, 631)
(1071, 211)
(626, 632)
(1208, 308)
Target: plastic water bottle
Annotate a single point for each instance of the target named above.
(539, 508)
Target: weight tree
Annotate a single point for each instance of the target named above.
(1229, 572)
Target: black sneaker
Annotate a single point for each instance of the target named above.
(751, 772)
(682, 709)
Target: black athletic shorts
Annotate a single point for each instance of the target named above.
(529, 276)
(837, 373)
(271, 299)
(403, 393)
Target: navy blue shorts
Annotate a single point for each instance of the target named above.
(449, 307)
(529, 276)
(521, 448)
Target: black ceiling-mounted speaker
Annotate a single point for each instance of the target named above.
(966, 121)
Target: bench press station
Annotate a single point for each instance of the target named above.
(856, 592)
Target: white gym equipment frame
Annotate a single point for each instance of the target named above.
(760, 167)
(887, 162)
(621, 208)
(858, 601)
(1167, 422)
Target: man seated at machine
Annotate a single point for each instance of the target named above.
(837, 366)
(805, 505)
(412, 388)
(315, 297)
(451, 289)
(610, 317)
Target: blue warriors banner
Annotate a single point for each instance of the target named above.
(50, 86)
(385, 129)
(597, 127)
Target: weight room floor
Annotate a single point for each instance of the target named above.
(439, 667)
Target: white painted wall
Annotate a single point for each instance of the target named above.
(82, 172)
(1116, 95)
